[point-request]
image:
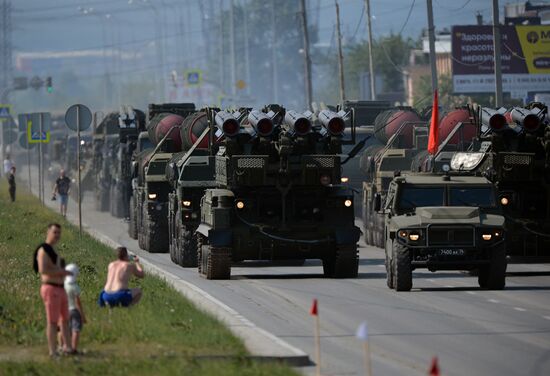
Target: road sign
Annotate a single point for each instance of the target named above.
(22, 122)
(193, 77)
(20, 83)
(38, 127)
(5, 112)
(36, 83)
(23, 142)
(78, 116)
(241, 84)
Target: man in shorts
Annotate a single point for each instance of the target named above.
(62, 188)
(116, 291)
(48, 264)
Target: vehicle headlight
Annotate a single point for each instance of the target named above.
(504, 201)
(186, 203)
(487, 236)
(344, 179)
(414, 236)
(348, 203)
(152, 196)
(403, 233)
(240, 204)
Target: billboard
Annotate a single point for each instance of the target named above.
(525, 56)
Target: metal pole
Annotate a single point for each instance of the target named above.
(40, 162)
(431, 36)
(307, 58)
(28, 157)
(78, 169)
(246, 50)
(340, 56)
(222, 56)
(274, 49)
(371, 63)
(496, 49)
(232, 50)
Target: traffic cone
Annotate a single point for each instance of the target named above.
(434, 368)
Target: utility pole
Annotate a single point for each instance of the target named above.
(496, 50)
(307, 58)
(274, 49)
(5, 63)
(371, 64)
(246, 49)
(221, 57)
(340, 56)
(232, 50)
(431, 38)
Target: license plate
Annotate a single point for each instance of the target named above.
(451, 252)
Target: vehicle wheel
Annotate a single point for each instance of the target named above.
(117, 200)
(389, 271)
(493, 276)
(368, 236)
(187, 250)
(156, 241)
(343, 264)
(103, 200)
(132, 224)
(215, 262)
(200, 241)
(401, 265)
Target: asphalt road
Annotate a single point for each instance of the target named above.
(471, 331)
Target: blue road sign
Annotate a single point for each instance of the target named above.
(5, 112)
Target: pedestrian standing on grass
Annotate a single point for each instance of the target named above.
(62, 188)
(48, 264)
(11, 183)
(76, 312)
(8, 164)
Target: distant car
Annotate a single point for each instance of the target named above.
(443, 222)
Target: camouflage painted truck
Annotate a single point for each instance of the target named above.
(150, 187)
(442, 222)
(278, 194)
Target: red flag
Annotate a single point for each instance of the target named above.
(313, 311)
(433, 140)
(434, 368)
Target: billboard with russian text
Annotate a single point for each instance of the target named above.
(525, 59)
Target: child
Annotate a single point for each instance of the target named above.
(76, 312)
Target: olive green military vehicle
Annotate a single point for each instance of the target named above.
(143, 143)
(442, 222)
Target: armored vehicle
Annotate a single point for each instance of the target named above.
(513, 151)
(142, 145)
(151, 188)
(449, 222)
(278, 193)
(130, 123)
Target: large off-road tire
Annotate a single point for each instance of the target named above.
(379, 231)
(112, 202)
(215, 262)
(493, 276)
(344, 263)
(401, 267)
(132, 222)
(102, 200)
(187, 247)
(155, 241)
(389, 269)
(117, 201)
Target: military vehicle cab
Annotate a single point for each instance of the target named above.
(443, 222)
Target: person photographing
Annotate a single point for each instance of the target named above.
(116, 291)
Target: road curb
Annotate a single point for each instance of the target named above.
(262, 345)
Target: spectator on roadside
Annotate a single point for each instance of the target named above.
(11, 183)
(76, 311)
(116, 291)
(8, 164)
(48, 264)
(62, 188)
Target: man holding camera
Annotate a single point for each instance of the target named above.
(116, 291)
(62, 188)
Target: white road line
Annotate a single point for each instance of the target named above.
(520, 309)
(448, 286)
(546, 317)
(493, 301)
(471, 292)
(430, 280)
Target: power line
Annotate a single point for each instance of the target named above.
(407, 19)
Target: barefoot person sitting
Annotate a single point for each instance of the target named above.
(116, 291)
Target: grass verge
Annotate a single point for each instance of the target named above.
(163, 335)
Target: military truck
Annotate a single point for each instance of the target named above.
(151, 188)
(130, 123)
(278, 193)
(142, 146)
(402, 136)
(189, 174)
(512, 150)
(442, 222)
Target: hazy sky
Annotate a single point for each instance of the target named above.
(42, 25)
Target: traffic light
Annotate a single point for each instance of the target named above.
(49, 87)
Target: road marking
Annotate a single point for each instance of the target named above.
(471, 292)
(449, 286)
(520, 309)
(546, 317)
(493, 301)
(430, 280)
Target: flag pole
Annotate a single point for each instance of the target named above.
(314, 311)
(368, 367)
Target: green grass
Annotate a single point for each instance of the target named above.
(163, 335)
